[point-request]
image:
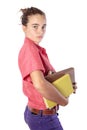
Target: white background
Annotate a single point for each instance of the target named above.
(65, 41)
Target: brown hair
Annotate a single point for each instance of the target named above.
(26, 12)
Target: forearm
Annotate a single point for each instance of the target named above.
(48, 91)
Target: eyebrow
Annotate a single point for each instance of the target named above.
(38, 24)
(35, 24)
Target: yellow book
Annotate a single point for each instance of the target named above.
(64, 85)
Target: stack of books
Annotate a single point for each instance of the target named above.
(63, 81)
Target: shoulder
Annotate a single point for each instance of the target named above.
(30, 45)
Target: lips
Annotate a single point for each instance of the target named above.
(40, 37)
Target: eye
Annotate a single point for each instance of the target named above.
(35, 26)
(43, 27)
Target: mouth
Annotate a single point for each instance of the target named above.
(40, 37)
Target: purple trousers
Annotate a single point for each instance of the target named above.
(42, 122)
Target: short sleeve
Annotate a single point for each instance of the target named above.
(29, 59)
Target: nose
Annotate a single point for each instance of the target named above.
(41, 31)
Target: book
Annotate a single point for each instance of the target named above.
(64, 85)
(54, 76)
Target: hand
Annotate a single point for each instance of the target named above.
(74, 87)
(51, 72)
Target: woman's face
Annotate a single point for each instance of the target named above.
(35, 28)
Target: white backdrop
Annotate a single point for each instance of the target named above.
(65, 41)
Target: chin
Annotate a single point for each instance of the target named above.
(38, 41)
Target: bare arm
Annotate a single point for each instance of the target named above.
(46, 89)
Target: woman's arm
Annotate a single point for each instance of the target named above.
(46, 89)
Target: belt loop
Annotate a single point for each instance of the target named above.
(41, 113)
(57, 107)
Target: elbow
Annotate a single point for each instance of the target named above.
(65, 102)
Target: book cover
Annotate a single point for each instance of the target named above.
(55, 75)
(64, 85)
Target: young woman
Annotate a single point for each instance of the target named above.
(34, 65)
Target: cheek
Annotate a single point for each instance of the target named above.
(33, 33)
(44, 32)
(30, 32)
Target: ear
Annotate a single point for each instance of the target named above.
(24, 28)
